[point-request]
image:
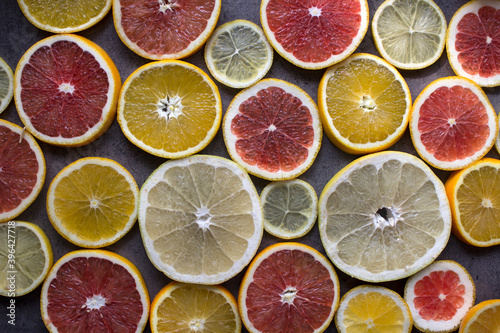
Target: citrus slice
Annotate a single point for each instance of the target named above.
(25, 257)
(94, 291)
(22, 170)
(180, 307)
(439, 296)
(483, 317)
(65, 89)
(288, 287)
(312, 34)
(93, 202)
(200, 219)
(238, 54)
(169, 108)
(273, 130)
(165, 29)
(474, 194)
(373, 309)
(62, 16)
(497, 141)
(384, 217)
(6, 85)
(364, 104)
(472, 42)
(409, 34)
(290, 208)
(452, 123)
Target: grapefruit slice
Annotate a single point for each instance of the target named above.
(273, 130)
(6, 85)
(22, 170)
(314, 34)
(473, 42)
(288, 288)
(483, 317)
(452, 123)
(165, 29)
(66, 89)
(94, 291)
(439, 296)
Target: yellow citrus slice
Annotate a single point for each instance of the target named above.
(482, 318)
(472, 42)
(273, 130)
(369, 308)
(66, 88)
(165, 29)
(22, 170)
(238, 54)
(62, 16)
(169, 108)
(180, 307)
(200, 219)
(452, 123)
(409, 34)
(25, 258)
(474, 194)
(290, 208)
(364, 104)
(288, 288)
(94, 291)
(497, 141)
(93, 202)
(6, 85)
(384, 217)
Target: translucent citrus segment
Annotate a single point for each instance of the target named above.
(364, 104)
(200, 219)
(384, 217)
(169, 108)
(6, 85)
(25, 258)
(187, 307)
(483, 317)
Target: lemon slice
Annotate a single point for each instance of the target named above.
(290, 208)
(6, 85)
(483, 317)
(238, 54)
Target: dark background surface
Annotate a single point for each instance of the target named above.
(18, 34)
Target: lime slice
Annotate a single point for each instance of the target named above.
(6, 85)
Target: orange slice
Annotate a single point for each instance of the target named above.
(482, 318)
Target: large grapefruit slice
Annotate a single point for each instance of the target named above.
(314, 34)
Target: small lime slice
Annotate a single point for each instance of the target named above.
(6, 85)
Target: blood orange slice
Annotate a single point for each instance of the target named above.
(288, 287)
(165, 29)
(473, 42)
(66, 89)
(452, 123)
(439, 296)
(22, 170)
(314, 34)
(273, 130)
(94, 291)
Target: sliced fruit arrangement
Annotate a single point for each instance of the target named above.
(93, 202)
(288, 287)
(66, 88)
(483, 317)
(22, 170)
(62, 16)
(364, 104)
(290, 208)
(200, 219)
(314, 34)
(238, 54)
(165, 29)
(439, 296)
(409, 34)
(369, 308)
(474, 194)
(273, 130)
(472, 42)
(453, 123)
(6, 85)
(180, 307)
(94, 291)
(169, 108)
(25, 257)
(384, 217)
